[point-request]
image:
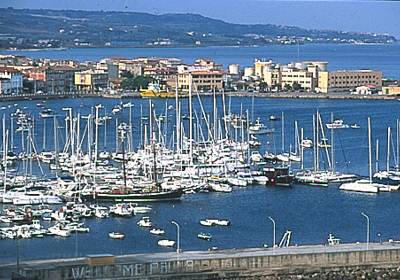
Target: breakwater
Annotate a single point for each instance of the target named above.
(348, 261)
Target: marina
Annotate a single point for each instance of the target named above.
(241, 192)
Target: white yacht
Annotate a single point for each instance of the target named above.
(337, 124)
(157, 231)
(145, 222)
(166, 243)
(361, 186)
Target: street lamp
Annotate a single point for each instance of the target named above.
(177, 236)
(274, 230)
(366, 217)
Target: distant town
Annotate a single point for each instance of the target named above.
(42, 29)
(163, 77)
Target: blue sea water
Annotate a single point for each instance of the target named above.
(311, 213)
(377, 57)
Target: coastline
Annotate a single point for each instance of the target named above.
(279, 95)
(192, 46)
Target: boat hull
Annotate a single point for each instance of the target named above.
(136, 197)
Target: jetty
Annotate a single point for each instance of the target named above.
(262, 263)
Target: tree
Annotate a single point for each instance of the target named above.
(136, 83)
(287, 87)
(263, 86)
(296, 86)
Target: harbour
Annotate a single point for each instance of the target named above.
(256, 201)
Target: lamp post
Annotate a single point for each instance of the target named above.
(177, 236)
(366, 217)
(274, 230)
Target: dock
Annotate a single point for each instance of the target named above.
(280, 263)
(277, 95)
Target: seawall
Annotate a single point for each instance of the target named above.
(347, 261)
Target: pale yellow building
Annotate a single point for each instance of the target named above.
(348, 80)
(304, 78)
(272, 77)
(202, 80)
(395, 90)
(91, 80)
(260, 65)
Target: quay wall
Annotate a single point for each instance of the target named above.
(278, 95)
(224, 264)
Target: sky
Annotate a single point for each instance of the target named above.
(346, 15)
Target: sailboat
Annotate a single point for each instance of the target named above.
(153, 192)
(364, 185)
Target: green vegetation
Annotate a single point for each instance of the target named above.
(135, 83)
(23, 28)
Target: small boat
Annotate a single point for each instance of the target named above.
(166, 243)
(144, 222)
(306, 143)
(355, 126)
(337, 124)
(215, 222)
(157, 231)
(274, 118)
(204, 236)
(116, 235)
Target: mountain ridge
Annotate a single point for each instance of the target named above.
(77, 28)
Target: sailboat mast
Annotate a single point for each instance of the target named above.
(377, 156)
(332, 147)
(397, 144)
(177, 117)
(283, 132)
(190, 120)
(388, 150)
(369, 150)
(5, 151)
(123, 157)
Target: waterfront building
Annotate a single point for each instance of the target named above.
(207, 63)
(248, 72)
(302, 74)
(348, 80)
(202, 79)
(60, 79)
(302, 77)
(260, 66)
(234, 69)
(5, 86)
(391, 90)
(15, 77)
(91, 80)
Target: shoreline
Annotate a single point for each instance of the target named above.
(281, 95)
(190, 46)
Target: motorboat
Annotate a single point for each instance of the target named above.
(220, 187)
(141, 209)
(337, 124)
(121, 209)
(145, 222)
(259, 128)
(274, 118)
(215, 222)
(307, 143)
(116, 235)
(166, 243)
(157, 231)
(355, 126)
(204, 236)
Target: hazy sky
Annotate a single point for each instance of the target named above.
(346, 15)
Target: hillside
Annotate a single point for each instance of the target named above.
(51, 28)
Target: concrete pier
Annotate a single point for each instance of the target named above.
(278, 263)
